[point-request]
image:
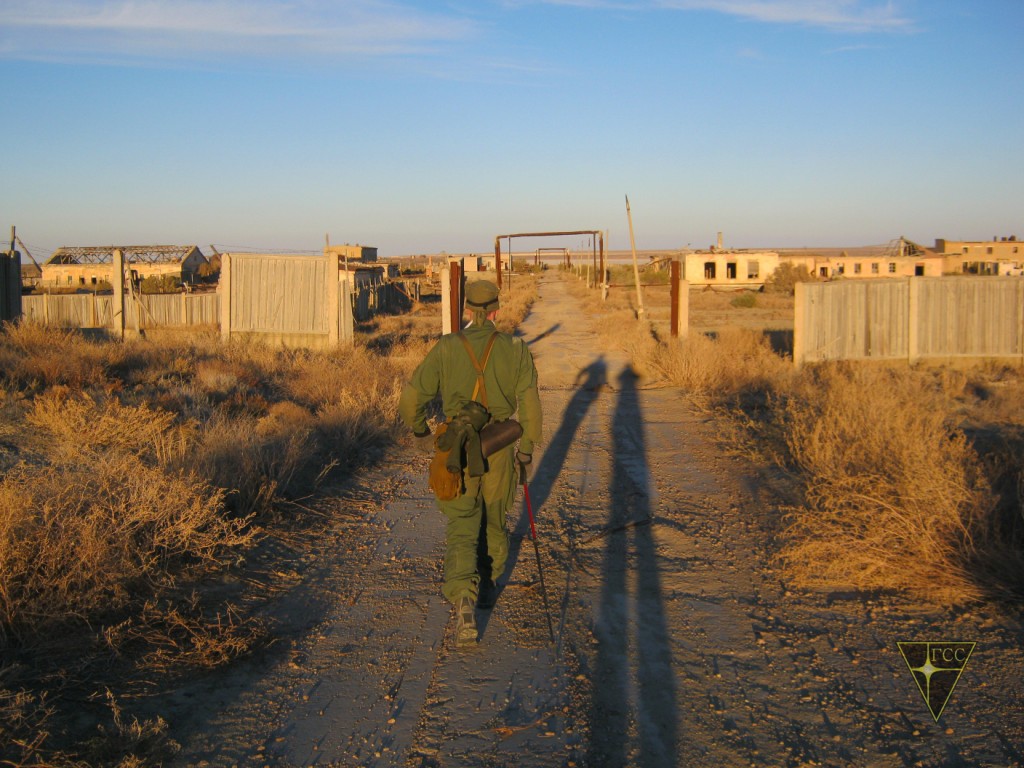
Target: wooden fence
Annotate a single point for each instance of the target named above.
(90, 310)
(909, 319)
(281, 299)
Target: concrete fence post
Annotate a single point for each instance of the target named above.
(799, 323)
(224, 289)
(348, 330)
(117, 278)
(680, 291)
(446, 300)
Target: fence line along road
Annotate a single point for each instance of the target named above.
(280, 299)
(90, 310)
(909, 319)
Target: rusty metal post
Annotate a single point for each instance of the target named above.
(604, 274)
(497, 259)
(455, 292)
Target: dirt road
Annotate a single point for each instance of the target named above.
(675, 643)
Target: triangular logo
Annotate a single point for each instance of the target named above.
(936, 668)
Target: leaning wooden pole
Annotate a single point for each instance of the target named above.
(636, 268)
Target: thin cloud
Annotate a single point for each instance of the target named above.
(843, 15)
(178, 28)
(839, 15)
(852, 48)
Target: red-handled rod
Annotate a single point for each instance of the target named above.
(536, 551)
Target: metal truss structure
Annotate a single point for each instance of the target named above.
(137, 254)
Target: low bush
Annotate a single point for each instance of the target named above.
(786, 276)
(745, 300)
(896, 497)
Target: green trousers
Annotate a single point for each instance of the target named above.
(485, 503)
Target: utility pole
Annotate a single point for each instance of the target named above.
(27, 251)
(636, 269)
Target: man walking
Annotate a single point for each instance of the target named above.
(484, 366)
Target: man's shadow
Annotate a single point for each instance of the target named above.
(634, 654)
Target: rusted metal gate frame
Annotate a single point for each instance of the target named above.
(566, 261)
(596, 233)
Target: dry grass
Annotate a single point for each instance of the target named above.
(130, 472)
(736, 366)
(896, 497)
(911, 480)
(516, 300)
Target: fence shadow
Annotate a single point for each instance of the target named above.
(630, 569)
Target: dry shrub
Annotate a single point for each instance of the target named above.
(516, 302)
(735, 364)
(356, 426)
(76, 424)
(34, 356)
(786, 276)
(317, 379)
(184, 632)
(23, 733)
(131, 744)
(895, 496)
(252, 462)
(77, 539)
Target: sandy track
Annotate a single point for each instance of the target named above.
(676, 644)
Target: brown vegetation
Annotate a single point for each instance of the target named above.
(133, 471)
(906, 479)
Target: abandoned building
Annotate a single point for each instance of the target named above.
(363, 254)
(993, 257)
(736, 269)
(93, 265)
(741, 269)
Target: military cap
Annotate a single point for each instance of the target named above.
(482, 295)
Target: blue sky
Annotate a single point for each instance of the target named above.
(421, 127)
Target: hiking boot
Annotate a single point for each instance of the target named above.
(487, 595)
(465, 621)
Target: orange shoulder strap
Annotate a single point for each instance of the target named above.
(480, 388)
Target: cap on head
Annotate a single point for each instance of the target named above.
(482, 296)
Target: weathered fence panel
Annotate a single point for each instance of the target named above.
(277, 294)
(970, 317)
(282, 299)
(89, 310)
(909, 319)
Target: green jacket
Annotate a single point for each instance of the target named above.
(510, 378)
